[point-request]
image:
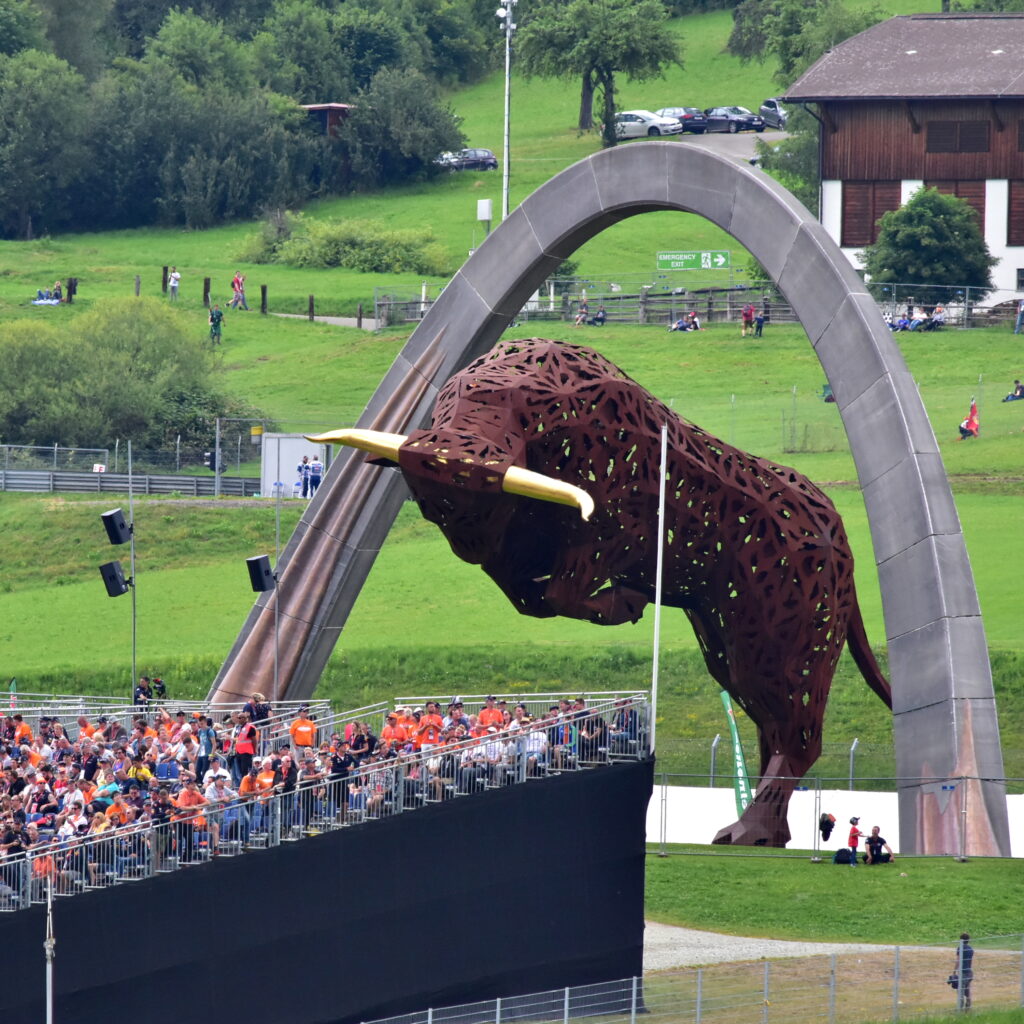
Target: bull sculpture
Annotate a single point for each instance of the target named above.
(755, 555)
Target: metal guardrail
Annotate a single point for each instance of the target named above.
(889, 983)
(42, 482)
(375, 790)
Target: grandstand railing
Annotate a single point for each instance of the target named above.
(877, 983)
(373, 791)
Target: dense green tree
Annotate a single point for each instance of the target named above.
(21, 27)
(202, 52)
(396, 130)
(454, 40)
(795, 32)
(132, 22)
(593, 41)
(297, 54)
(128, 369)
(933, 239)
(42, 146)
(76, 32)
(367, 42)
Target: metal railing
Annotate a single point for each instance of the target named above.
(883, 983)
(374, 790)
(44, 482)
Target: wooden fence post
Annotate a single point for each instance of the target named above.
(138, 285)
(359, 315)
(206, 292)
(163, 281)
(263, 299)
(311, 304)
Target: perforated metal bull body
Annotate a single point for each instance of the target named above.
(755, 555)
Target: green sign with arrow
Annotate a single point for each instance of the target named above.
(713, 260)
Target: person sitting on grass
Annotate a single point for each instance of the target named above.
(1017, 394)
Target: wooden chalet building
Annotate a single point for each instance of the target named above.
(924, 100)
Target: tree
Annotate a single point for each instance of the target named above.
(76, 31)
(43, 150)
(396, 130)
(795, 32)
(21, 27)
(595, 40)
(934, 239)
(793, 161)
(201, 52)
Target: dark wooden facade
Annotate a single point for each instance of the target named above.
(872, 146)
(886, 140)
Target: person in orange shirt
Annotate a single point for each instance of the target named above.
(118, 810)
(490, 714)
(303, 731)
(393, 732)
(189, 821)
(22, 731)
(428, 731)
(406, 719)
(267, 780)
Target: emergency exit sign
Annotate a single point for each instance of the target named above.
(709, 260)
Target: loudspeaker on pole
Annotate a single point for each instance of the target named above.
(113, 579)
(260, 574)
(118, 531)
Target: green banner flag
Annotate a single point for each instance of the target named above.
(12, 689)
(741, 780)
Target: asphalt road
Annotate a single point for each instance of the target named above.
(739, 146)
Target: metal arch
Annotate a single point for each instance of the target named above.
(945, 723)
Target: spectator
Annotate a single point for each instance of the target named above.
(216, 321)
(854, 840)
(490, 714)
(316, 474)
(173, 281)
(244, 745)
(303, 731)
(963, 972)
(143, 692)
(875, 845)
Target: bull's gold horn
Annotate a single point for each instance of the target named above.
(376, 442)
(546, 488)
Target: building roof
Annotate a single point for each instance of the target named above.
(922, 56)
(327, 106)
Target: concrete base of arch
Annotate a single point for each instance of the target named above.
(945, 723)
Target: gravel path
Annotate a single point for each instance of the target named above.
(666, 946)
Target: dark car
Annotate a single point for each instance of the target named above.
(469, 160)
(733, 119)
(774, 113)
(691, 118)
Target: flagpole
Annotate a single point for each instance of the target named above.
(657, 583)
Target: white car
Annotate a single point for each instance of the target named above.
(638, 124)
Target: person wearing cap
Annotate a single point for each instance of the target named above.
(143, 693)
(393, 732)
(243, 746)
(854, 840)
(456, 716)
(490, 714)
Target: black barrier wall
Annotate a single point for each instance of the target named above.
(511, 891)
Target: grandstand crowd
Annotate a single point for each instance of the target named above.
(96, 801)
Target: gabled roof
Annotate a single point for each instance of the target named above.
(922, 56)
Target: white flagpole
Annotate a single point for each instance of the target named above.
(657, 583)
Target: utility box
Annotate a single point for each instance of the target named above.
(281, 455)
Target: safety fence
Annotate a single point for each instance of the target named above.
(869, 983)
(74, 861)
(37, 482)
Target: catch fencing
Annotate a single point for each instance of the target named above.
(869, 983)
(33, 482)
(376, 789)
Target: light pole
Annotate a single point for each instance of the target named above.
(120, 531)
(508, 26)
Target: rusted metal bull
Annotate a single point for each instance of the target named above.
(755, 555)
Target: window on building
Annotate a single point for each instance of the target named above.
(957, 137)
(1020, 136)
(864, 202)
(1015, 214)
(971, 192)
(1020, 279)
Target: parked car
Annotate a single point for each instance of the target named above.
(636, 124)
(733, 119)
(774, 113)
(691, 118)
(469, 160)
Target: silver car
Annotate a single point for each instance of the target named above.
(774, 113)
(638, 124)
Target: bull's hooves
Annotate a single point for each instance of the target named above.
(742, 834)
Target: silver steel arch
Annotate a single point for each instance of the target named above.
(945, 720)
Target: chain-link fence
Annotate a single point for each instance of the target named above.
(869, 983)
